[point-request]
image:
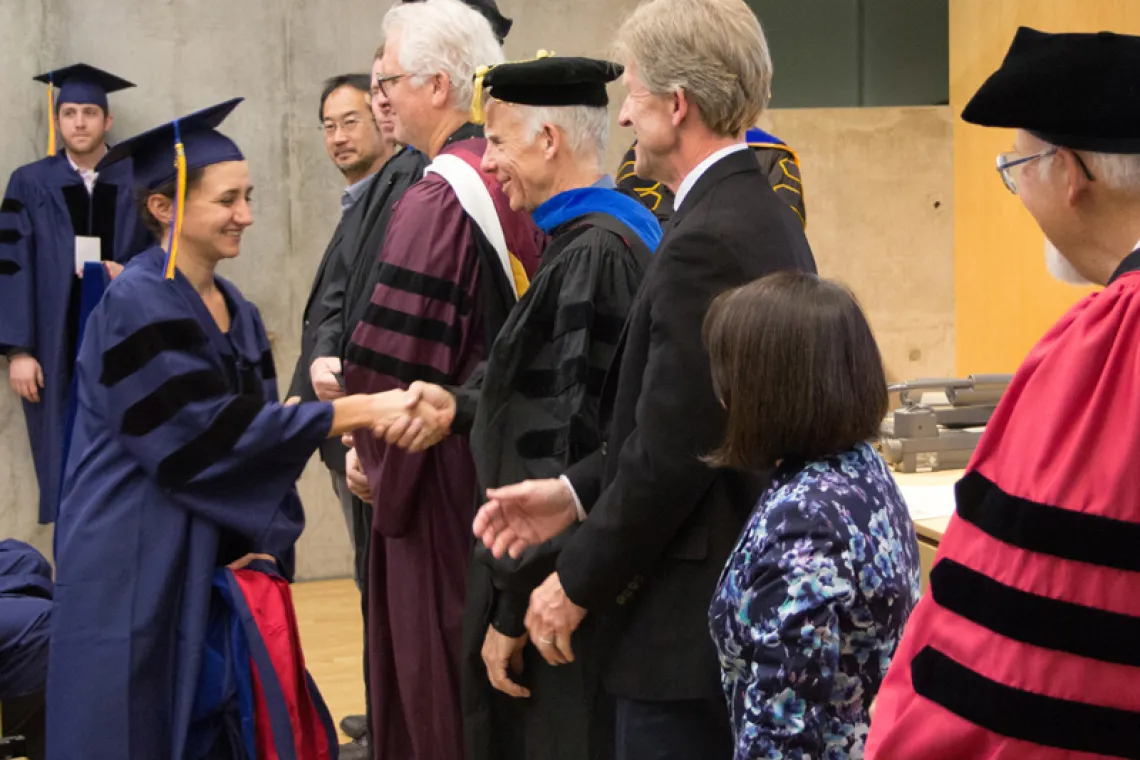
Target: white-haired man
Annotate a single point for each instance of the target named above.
(533, 409)
(454, 260)
(1026, 644)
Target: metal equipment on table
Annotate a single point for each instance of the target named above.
(940, 421)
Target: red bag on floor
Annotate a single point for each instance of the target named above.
(291, 719)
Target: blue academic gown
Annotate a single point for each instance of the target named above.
(182, 461)
(25, 614)
(45, 206)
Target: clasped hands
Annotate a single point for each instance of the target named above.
(416, 419)
(423, 421)
(514, 518)
(550, 621)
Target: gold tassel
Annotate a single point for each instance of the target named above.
(478, 111)
(477, 115)
(51, 119)
(179, 207)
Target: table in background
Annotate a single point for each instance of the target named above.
(930, 530)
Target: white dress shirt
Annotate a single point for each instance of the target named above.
(692, 177)
(87, 175)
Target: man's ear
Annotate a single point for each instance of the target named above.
(552, 140)
(1075, 176)
(681, 106)
(440, 89)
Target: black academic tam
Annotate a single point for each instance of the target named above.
(1079, 91)
(553, 81)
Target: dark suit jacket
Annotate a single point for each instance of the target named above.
(339, 286)
(361, 269)
(661, 522)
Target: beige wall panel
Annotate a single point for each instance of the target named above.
(1005, 298)
(880, 214)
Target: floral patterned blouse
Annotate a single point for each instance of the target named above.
(811, 606)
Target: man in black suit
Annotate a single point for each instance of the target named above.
(358, 135)
(657, 523)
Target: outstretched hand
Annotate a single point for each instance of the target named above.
(523, 515)
(428, 413)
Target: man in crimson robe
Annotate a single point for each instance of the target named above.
(455, 259)
(1026, 644)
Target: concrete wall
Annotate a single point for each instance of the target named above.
(186, 54)
(871, 176)
(879, 188)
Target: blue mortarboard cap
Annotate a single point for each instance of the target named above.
(83, 84)
(153, 151)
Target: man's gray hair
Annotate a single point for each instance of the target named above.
(445, 36)
(587, 128)
(713, 50)
(1118, 171)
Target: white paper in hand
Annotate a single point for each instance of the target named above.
(927, 501)
(88, 250)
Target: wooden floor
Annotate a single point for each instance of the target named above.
(328, 615)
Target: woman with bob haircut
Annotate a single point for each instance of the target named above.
(812, 601)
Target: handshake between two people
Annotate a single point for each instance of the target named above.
(414, 419)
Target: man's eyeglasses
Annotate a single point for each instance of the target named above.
(1009, 166)
(382, 81)
(348, 124)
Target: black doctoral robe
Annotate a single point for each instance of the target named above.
(531, 411)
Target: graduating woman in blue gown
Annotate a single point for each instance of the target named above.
(183, 461)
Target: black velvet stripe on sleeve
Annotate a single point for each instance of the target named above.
(1037, 620)
(549, 383)
(405, 372)
(411, 325)
(138, 349)
(11, 206)
(436, 288)
(11, 236)
(582, 316)
(211, 446)
(1047, 529)
(1018, 714)
(8, 267)
(174, 395)
(553, 443)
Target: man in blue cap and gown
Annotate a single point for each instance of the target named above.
(57, 214)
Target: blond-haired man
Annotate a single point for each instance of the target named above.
(660, 522)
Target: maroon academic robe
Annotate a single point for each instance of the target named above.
(442, 296)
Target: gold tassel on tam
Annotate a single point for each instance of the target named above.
(478, 110)
(477, 115)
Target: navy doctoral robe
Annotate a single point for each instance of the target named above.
(45, 206)
(182, 461)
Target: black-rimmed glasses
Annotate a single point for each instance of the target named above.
(381, 81)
